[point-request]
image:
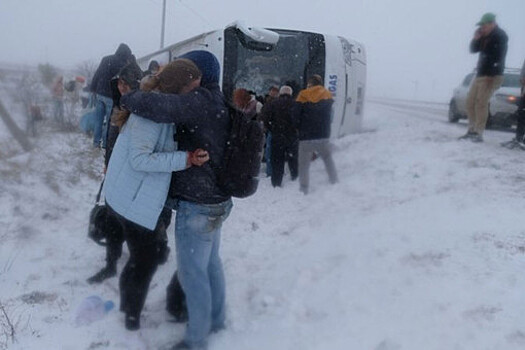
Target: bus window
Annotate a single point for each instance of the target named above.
(296, 55)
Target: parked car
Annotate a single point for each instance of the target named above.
(502, 105)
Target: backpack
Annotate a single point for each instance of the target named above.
(239, 175)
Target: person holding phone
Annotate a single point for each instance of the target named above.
(491, 43)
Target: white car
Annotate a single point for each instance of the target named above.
(502, 105)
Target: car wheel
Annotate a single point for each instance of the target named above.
(453, 115)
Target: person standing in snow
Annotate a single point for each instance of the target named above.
(273, 93)
(247, 103)
(100, 85)
(201, 207)
(284, 141)
(491, 43)
(58, 99)
(137, 183)
(313, 118)
(127, 79)
(518, 140)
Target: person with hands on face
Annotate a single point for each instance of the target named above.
(491, 43)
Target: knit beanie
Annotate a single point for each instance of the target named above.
(207, 64)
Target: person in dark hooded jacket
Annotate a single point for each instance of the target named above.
(203, 122)
(100, 85)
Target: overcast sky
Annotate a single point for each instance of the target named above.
(416, 48)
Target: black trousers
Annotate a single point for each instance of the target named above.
(143, 246)
(115, 235)
(114, 240)
(284, 150)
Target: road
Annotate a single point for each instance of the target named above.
(434, 111)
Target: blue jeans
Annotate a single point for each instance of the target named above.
(197, 238)
(58, 109)
(268, 154)
(103, 109)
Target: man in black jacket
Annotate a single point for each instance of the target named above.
(491, 43)
(101, 86)
(278, 120)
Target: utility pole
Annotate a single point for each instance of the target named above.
(163, 24)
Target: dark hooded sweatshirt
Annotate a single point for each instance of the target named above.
(108, 68)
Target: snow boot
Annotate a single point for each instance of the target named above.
(105, 273)
(467, 136)
(510, 144)
(476, 138)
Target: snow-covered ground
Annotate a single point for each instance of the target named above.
(420, 246)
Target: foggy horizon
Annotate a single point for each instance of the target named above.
(415, 50)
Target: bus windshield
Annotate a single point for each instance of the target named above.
(295, 56)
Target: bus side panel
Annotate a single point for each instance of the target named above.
(334, 81)
(356, 75)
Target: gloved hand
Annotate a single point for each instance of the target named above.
(197, 157)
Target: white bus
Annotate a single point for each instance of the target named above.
(257, 58)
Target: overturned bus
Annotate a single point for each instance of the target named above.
(258, 58)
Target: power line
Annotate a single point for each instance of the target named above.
(202, 18)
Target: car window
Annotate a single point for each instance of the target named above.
(467, 79)
(511, 80)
